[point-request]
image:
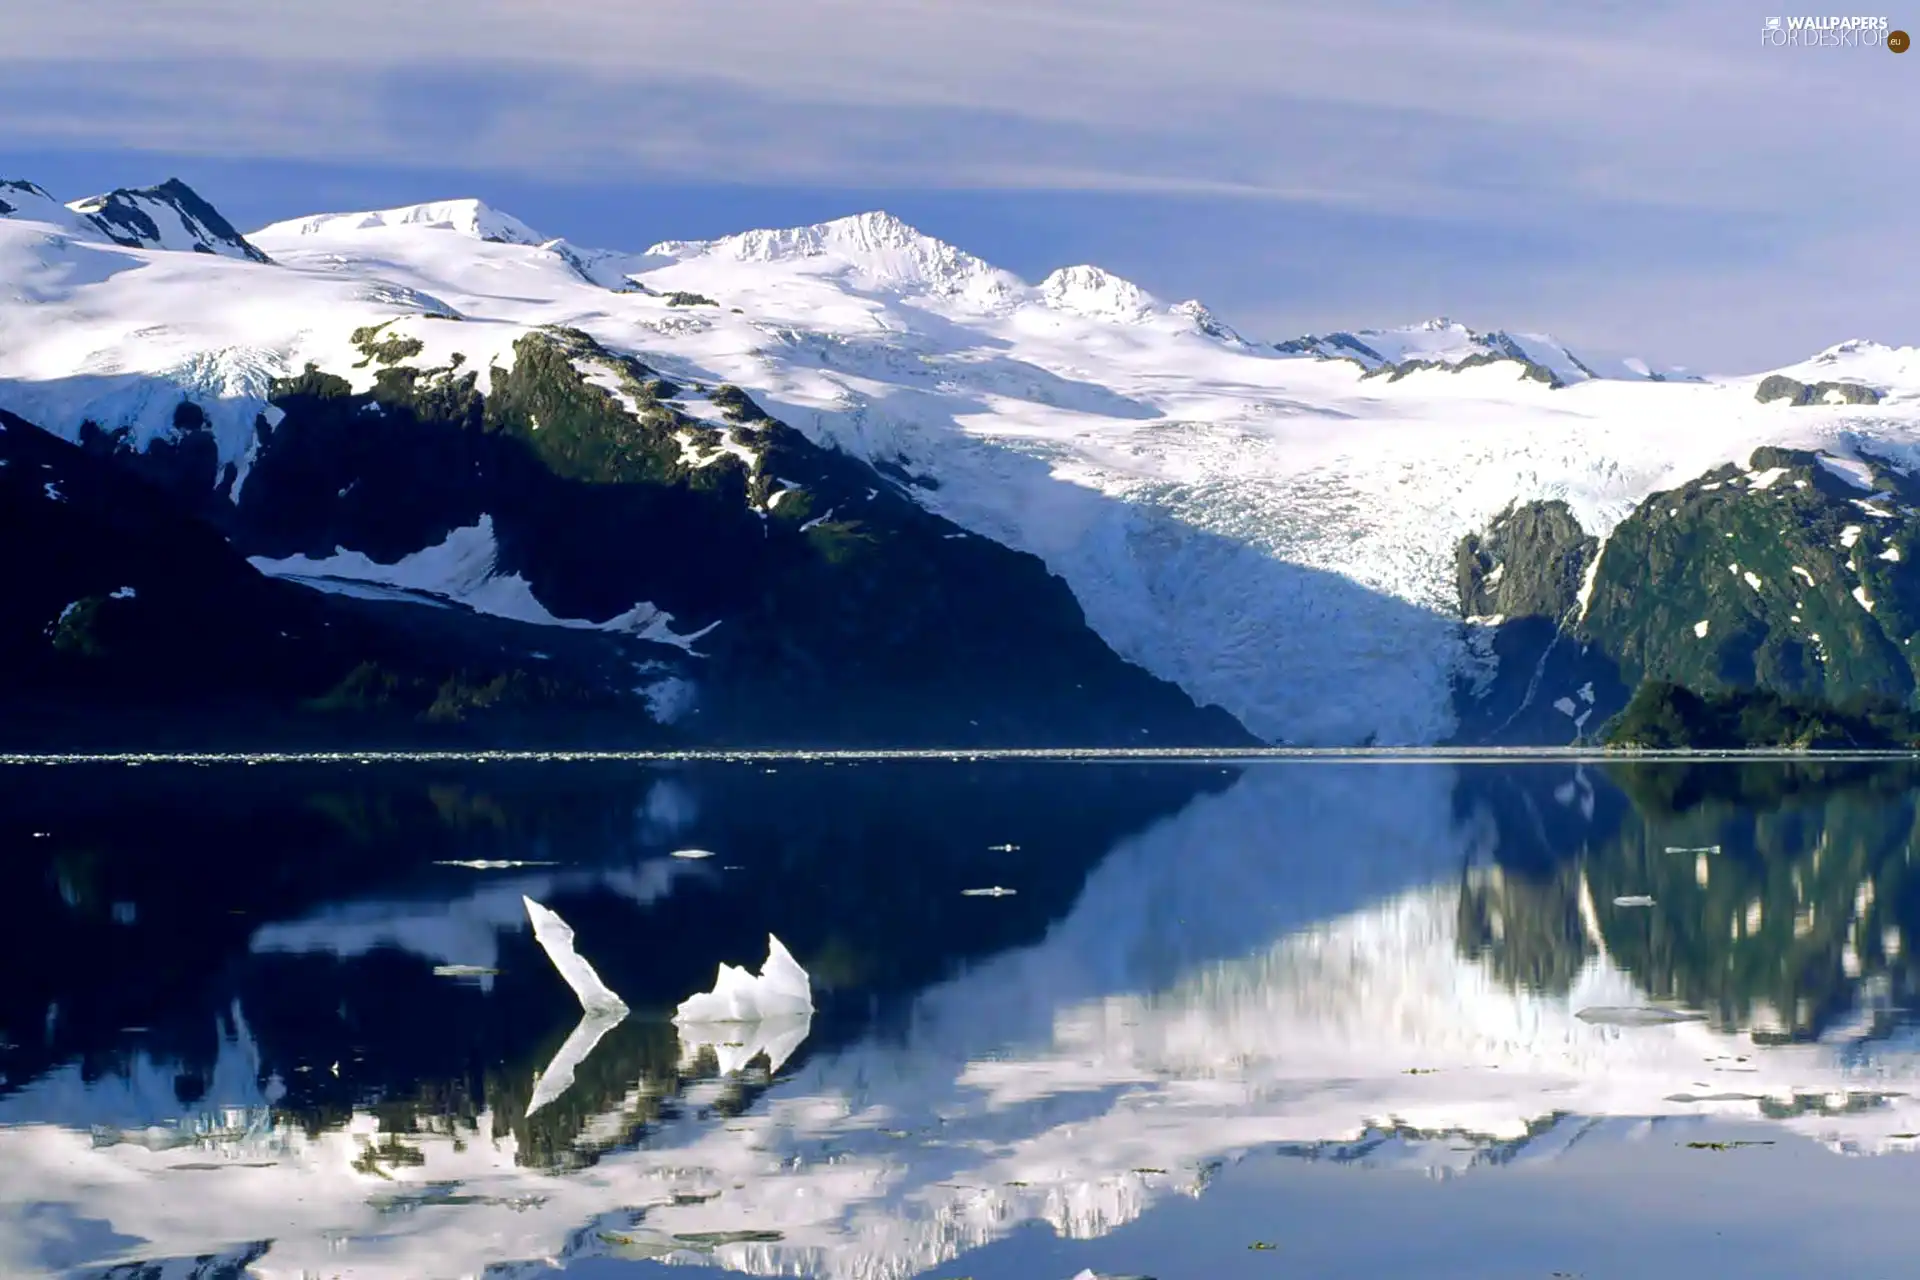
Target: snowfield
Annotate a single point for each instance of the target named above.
(1272, 531)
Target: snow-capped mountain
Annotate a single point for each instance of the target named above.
(1448, 344)
(169, 216)
(1275, 535)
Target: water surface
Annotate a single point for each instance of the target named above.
(1219, 1018)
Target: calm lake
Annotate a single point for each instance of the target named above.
(1211, 1019)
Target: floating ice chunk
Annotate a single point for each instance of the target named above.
(735, 1044)
(782, 989)
(558, 1077)
(490, 864)
(555, 937)
(1636, 1016)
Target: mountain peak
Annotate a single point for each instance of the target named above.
(1095, 292)
(882, 251)
(171, 215)
(29, 201)
(467, 216)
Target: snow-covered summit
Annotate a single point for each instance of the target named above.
(1873, 364)
(1091, 291)
(468, 217)
(170, 216)
(1447, 343)
(1440, 341)
(25, 202)
(876, 249)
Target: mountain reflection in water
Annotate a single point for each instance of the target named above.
(226, 1039)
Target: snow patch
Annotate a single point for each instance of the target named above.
(464, 568)
(1852, 470)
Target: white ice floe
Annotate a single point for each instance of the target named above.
(781, 989)
(555, 937)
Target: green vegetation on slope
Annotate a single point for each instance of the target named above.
(1661, 715)
(830, 605)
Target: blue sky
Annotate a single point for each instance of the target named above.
(1637, 178)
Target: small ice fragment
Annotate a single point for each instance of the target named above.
(1633, 900)
(991, 891)
(1636, 1016)
(692, 853)
(463, 971)
(491, 864)
(555, 937)
(781, 989)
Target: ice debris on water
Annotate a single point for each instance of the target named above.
(555, 937)
(603, 1010)
(1636, 1016)
(746, 1015)
(490, 864)
(781, 989)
